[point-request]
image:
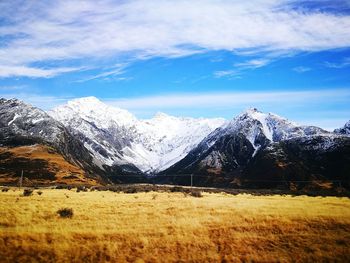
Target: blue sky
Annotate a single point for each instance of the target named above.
(186, 58)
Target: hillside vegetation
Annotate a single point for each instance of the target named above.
(41, 164)
(69, 226)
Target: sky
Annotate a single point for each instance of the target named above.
(195, 58)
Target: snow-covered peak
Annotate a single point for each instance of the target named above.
(91, 109)
(27, 120)
(258, 115)
(344, 130)
(347, 125)
(161, 115)
(253, 122)
(250, 110)
(115, 136)
(84, 100)
(261, 129)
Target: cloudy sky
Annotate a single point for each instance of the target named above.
(186, 58)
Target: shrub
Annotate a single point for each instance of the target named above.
(5, 189)
(65, 212)
(177, 189)
(68, 187)
(81, 188)
(196, 194)
(27, 192)
(131, 190)
(39, 192)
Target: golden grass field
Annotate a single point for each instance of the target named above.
(172, 227)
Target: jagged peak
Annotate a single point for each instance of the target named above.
(251, 110)
(13, 100)
(92, 109)
(251, 113)
(90, 103)
(161, 115)
(258, 115)
(344, 130)
(85, 100)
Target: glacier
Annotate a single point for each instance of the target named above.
(114, 136)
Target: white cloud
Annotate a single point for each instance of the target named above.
(39, 31)
(116, 70)
(227, 73)
(241, 67)
(252, 64)
(301, 69)
(12, 88)
(231, 99)
(14, 71)
(344, 63)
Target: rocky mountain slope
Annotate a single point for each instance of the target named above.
(345, 130)
(86, 139)
(302, 159)
(41, 165)
(24, 125)
(116, 137)
(256, 146)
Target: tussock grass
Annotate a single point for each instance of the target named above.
(27, 192)
(172, 227)
(65, 212)
(196, 194)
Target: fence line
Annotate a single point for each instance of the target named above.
(193, 176)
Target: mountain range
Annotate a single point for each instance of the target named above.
(97, 143)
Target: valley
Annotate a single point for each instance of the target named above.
(174, 131)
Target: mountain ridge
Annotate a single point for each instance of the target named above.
(151, 144)
(242, 148)
(24, 125)
(112, 143)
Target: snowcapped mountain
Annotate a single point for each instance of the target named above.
(344, 130)
(116, 137)
(230, 149)
(23, 119)
(100, 140)
(24, 125)
(260, 129)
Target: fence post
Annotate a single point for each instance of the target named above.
(20, 180)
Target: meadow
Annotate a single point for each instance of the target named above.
(166, 226)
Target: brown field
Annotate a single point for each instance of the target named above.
(172, 227)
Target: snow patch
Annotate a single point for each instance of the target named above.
(14, 118)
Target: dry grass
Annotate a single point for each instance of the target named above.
(169, 227)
